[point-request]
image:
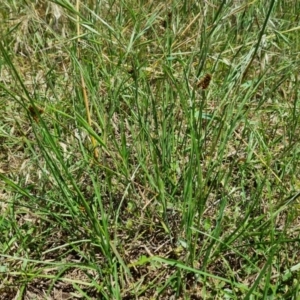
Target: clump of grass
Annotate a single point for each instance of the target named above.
(149, 150)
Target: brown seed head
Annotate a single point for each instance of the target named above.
(204, 82)
(35, 112)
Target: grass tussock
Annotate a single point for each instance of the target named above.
(149, 150)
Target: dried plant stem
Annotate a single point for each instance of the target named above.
(83, 86)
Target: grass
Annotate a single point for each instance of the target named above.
(149, 150)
